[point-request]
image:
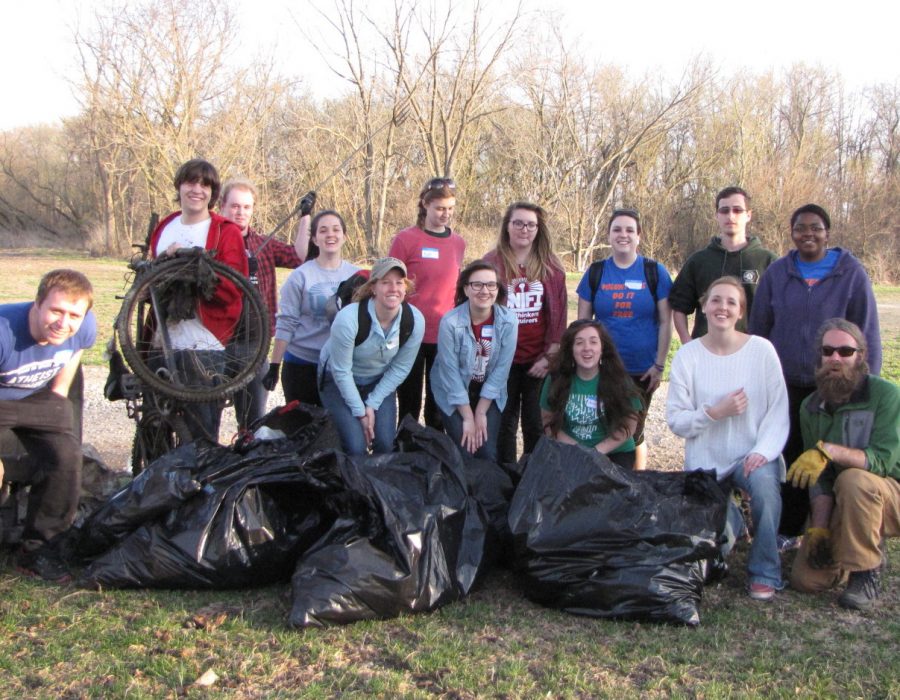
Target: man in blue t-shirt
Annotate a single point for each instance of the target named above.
(41, 343)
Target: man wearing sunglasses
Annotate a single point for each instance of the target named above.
(732, 252)
(851, 432)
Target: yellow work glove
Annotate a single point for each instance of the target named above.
(805, 470)
(819, 547)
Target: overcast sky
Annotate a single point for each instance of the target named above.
(859, 39)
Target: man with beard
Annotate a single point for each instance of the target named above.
(851, 432)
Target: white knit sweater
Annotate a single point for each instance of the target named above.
(699, 379)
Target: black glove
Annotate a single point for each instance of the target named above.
(307, 203)
(271, 379)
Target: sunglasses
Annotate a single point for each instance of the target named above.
(440, 183)
(843, 350)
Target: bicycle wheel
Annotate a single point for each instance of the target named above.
(162, 302)
(159, 430)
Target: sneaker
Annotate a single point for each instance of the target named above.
(761, 591)
(862, 590)
(43, 562)
(786, 544)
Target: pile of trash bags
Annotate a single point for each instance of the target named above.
(592, 538)
(370, 537)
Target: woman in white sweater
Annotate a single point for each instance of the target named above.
(728, 399)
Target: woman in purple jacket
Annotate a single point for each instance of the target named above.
(797, 293)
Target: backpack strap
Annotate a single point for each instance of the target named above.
(651, 274)
(595, 274)
(407, 323)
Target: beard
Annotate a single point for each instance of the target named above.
(837, 386)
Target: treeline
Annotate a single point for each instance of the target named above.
(444, 92)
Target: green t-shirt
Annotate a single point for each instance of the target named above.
(583, 422)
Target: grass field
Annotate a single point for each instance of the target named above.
(63, 642)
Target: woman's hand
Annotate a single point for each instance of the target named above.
(654, 376)
(752, 462)
(734, 404)
(539, 369)
(472, 437)
(367, 422)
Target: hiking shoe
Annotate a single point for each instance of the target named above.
(43, 562)
(761, 591)
(861, 591)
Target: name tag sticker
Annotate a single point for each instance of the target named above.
(591, 402)
(431, 253)
(634, 284)
(391, 344)
(487, 332)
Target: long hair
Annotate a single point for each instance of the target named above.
(312, 250)
(542, 260)
(463, 280)
(615, 389)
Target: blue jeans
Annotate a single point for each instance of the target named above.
(348, 426)
(764, 487)
(453, 424)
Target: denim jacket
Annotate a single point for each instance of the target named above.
(379, 357)
(455, 360)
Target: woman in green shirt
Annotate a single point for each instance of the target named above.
(588, 398)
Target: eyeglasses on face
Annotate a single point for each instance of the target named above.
(478, 286)
(843, 350)
(527, 225)
(737, 211)
(440, 183)
(812, 228)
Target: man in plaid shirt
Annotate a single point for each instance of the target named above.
(238, 198)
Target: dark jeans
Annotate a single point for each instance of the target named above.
(43, 422)
(646, 396)
(454, 425)
(409, 393)
(249, 402)
(300, 383)
(348, 426)
(794, 501)
(524, 399)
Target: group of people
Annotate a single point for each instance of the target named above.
(780, 367)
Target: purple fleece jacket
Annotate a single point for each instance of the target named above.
(789, 312)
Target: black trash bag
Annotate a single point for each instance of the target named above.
(210, 516)
(410, 540)
(490, 485)
(592, 538)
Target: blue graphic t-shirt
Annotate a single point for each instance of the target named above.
(25, 366)
(812, 272)
(625, 306)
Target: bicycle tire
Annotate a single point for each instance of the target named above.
(243, 354)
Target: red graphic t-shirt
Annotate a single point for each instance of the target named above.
(484, 341)
(526, 299)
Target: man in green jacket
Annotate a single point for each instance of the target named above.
(732, 252)
(851, 433)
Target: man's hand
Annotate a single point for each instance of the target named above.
(819, 548)
(308, 203)
(807, 468)
(270, 381)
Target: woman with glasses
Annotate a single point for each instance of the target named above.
(536, 292)
(433, 254)
(728, 400)
(372, 345)
(588, 398)
(629, 293)
(476, 343)
(796, 295)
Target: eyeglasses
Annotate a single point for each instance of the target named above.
(478, 286)
(440, 183)
(527, 225)
(812, 228)
(843, 350)
(737, 211)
